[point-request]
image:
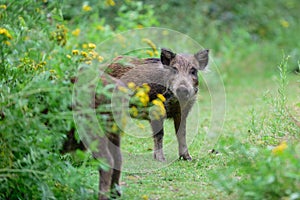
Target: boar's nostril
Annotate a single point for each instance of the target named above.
(182, 93)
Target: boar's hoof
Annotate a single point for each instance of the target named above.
(185, 156)
(159, 157)
(116, 192)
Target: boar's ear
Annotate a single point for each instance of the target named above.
(166, 56)
(202, 59)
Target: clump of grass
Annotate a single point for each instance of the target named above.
(258, 169)
(276, 123)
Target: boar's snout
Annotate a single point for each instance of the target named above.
(182, 93)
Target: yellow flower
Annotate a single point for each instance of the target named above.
(134, 111)
(123, 89)
(88, 62)
(91, 46)
(150, 53)
(150, 43)
(143, 97)
(75, 52)
(140, 125)
(284, 23)
(93, 54)
(7, 43)
(145, 197)
(84, 54)
(144, 100)
(158, 103)
(114, 128)
(3, 7)
(76, 32)
(5, 32)
(131, 85)
(110, 2)
(139, 26)
(52, 71)
(161, 97)
(280, 148)
(100, 28)
(100, 58)
(124, 120)
(85, 46)
(68, 56)
(161, 106)
(86, 8)
(146, 87)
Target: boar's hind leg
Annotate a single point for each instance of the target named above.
(158, 134)
(114, 147)
(180, 128)
(105, 175)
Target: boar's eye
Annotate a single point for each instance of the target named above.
(174, 70)
(193, 71)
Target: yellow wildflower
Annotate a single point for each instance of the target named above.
(114, 128)
(144, 100)
(84, 54)
(86, 8)
(131, 85)
(93, 54)
(76, 32)
(284, 23)
(161, 97)
(280, 148)
(123, 89)
(100, 58)
(88, 62)
(110, 2)
(7, 43)
(143, 97)
(139, 26)
(161, 106)
(158, 103)
(68, 56)
(140, 125)
(52, 71)
(146, 87)
(165, 32)
(124, 120)
(85, 46)
(91, 46)
(145, 197)
(3, 7)
(5, 32)
(150, 43)
(150, 53)
(100, 28)
(134, 111)
(75, 52)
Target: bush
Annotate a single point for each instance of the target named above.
(42, 45)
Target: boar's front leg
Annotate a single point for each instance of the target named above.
(158, 134)
(180, 128)
(105, 175)
(114, 147)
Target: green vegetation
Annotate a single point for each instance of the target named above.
(256, 47)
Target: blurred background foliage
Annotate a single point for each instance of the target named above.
(44, 41)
